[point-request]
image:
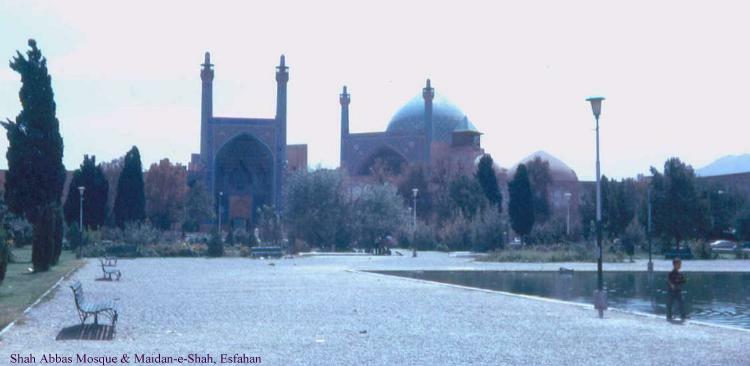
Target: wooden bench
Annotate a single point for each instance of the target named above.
(87, 309)
(109, 271)
(269, 252)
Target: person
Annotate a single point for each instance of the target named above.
(675, 280)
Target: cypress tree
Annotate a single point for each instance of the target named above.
(130, 201)
(36, 175)
(96, 190)
(521, 202)
(488, 180)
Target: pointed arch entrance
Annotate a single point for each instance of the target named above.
(243, 180)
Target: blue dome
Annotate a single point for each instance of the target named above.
(446, 118)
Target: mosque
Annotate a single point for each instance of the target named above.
(244, 161)
(431, 130)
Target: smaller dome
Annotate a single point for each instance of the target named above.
(558, 170)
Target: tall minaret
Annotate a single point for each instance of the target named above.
(344, 99)
(428, 93)
(207, 106)
(282, 77)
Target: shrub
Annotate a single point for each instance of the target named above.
(456, 234)
(487, 231)
(701, 249)
(4, 254)
(553, 231)
(140, 234)
(424, 237)
(633, 236)
(20, 231)
(75, 237)
(215, 246)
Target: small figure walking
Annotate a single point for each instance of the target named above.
(675, 281)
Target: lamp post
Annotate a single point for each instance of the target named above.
(567, 219)
(80, 209)
(414, 192)
(221, 199)
(650, 265)
(600, 299)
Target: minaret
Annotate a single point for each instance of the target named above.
(344, 99)
(207, 107)
(282, 77)
(428, 93)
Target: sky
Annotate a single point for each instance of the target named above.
(675, 73)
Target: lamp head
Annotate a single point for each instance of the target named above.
(81, 189)
(596, 105)
(415, 191)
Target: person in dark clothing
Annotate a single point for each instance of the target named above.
(675, 280)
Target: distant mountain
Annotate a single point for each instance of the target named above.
(730, 164)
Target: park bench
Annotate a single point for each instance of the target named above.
(109, 261)
(268, 252)
(108, 271)
(87, 309)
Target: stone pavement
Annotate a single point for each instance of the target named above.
(321, 311)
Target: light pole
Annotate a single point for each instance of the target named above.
(221, 199)
(600, 297)
(80, 209)
(650, 266)
(414, 192)
(567, 219)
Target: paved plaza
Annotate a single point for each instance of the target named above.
(324, 311)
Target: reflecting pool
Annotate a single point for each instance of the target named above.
(716, 297)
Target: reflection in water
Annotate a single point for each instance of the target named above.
(715, 297)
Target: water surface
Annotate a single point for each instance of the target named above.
(716, 297)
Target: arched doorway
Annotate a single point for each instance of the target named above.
(384, 158)
(243, 176)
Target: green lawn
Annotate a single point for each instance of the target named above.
(21, 287)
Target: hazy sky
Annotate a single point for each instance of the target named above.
(675, 74)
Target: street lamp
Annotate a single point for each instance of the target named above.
(600, 297)
(567, 223)
(650, 265)
(221, 199)
(414, 192)
(80, 209)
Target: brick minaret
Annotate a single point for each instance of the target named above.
(344, 99)
(282, 77)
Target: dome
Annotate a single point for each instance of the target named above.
(446, 118)
(558, 170)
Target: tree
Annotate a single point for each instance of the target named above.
(743, 226)
(269, 225)
(165, 188)
(724, 206)
(415, 176)
(199, 207)
(316, 209)
(376, 212)
(540, 180)
(678, 212)
(96, 190)
(466, 196)
(4, 254)
(619, 205)
(130, 202)
(487, 178)
(520, 202)
(112, 171)
(36, 175)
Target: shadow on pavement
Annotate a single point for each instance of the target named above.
(87, 332)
